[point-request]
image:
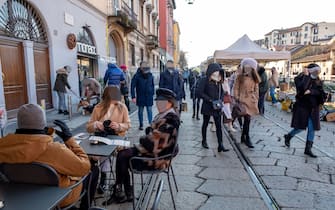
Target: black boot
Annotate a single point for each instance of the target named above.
(221, 148)
(243, 138)
(204, 144)
(66, 112)
(60, 111)
(129, 192)
(308, 149)
(117, 196)
(193, 116)
(101, 187)
(288, 138)
(248, 142)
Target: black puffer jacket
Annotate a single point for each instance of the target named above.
(210, 91)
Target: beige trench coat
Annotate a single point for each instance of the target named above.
(246, 91)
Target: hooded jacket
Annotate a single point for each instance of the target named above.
(61, 81)
(209, 91)
(69, 159)
(113, 75)
(172, 81)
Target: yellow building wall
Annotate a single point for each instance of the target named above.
(176, 36)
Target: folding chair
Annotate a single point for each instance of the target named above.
(167, 170)
(36, 173)
(158, 195)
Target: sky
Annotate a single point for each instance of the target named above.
(209, 25)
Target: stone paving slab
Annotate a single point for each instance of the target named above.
(229, 188)
(225, 174)
(216, 202)
(294, 180)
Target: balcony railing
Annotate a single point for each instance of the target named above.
(151, 41)
(123, 14)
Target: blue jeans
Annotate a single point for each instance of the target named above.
(61, 101)
(272, 94)
(310, 131)
(140, 114)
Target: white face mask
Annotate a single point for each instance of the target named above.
(216, 76)
(162, 106)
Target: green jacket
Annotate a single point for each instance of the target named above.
(264, 84)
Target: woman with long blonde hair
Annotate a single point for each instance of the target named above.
(247, 93)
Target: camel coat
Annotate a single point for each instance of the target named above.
(69, 159)
(247, 92)
(117, 113)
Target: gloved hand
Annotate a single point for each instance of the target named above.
(65, 134)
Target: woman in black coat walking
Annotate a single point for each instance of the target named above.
(310, 95)
(210, 89)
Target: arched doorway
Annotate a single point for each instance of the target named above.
(19, 21)
(116, 47)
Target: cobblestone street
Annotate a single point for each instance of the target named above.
(294, 180)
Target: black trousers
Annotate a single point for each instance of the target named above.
(196, 106)
(93, 177)
(217, 121)
(126, 101)
(246, 125)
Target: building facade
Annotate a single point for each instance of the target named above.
(176, 41)
(307, 33)
(36, 39)
(166, 8)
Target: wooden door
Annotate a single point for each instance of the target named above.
(42, 75)
(15, 86)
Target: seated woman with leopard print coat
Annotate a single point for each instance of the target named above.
(160, 140)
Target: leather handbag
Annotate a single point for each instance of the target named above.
(239, 110)
(217, 104)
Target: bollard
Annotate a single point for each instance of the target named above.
(69, 102)
(43, 104)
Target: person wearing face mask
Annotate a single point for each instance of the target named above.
(310, 95)
(142, 91)
(113, 110)
(160, 139)
(246, 91)
(172, 80)
(210, 89)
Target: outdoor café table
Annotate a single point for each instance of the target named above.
(30, 196)
(103, 150)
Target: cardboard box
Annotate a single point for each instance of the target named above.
(330, 117)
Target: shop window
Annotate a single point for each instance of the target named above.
(20, 20)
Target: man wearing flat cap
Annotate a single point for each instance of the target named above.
(160, 139)
(33, 142)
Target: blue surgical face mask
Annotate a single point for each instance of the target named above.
(313, 76)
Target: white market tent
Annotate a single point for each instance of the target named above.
(244, 47)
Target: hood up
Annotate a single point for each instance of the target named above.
(213, 67)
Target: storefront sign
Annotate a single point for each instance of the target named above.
(86, 49)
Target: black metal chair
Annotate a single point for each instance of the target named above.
(167, 170)
(36, 173)
(158, 195)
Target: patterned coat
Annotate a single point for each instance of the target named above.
(160, 139)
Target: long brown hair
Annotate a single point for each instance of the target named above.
(107, 97)
(254, 75)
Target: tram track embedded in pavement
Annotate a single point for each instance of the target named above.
(300, 138)
(260, 186)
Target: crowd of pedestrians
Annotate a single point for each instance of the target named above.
(223, 99)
